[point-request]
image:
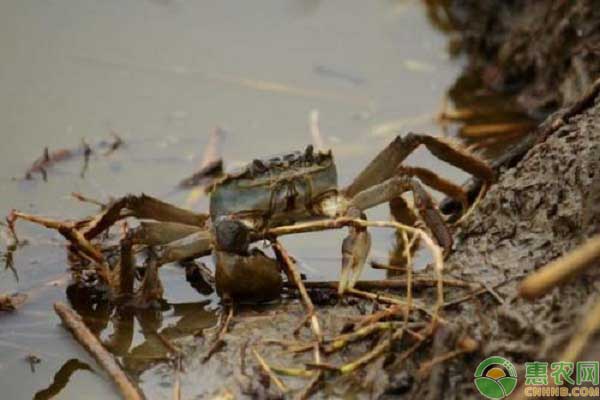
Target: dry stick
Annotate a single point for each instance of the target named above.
(409, 279)
(485, 289)
(341, 341)
(487, 130)
(389, 267)
(390, 300)
(91, 343)
(394, 283)
(68, 231)
(174, 350)
(269, 372)
(294, 276)
(177, 380)
(85, 199)
(543, 280)
(295, 372)
(389, 312)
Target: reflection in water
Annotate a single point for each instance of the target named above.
(488, 120)
(61, 378)
(100, 316)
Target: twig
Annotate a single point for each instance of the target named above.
(87, 339)
(269, 372)
(86, 199)
(66, 229)
(389, 267)
(311, 387)
(87, 152)
(487, 130)
(386, 313)
(341, 341)
(388, 300)
(296, 372)
(218, 341)
(294, 276)
(177, 379)
(393, 284)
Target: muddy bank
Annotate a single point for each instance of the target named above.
(546, 53)
(540, 209)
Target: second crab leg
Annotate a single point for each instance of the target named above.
(142, 207)
(393, 188)
(384, 165)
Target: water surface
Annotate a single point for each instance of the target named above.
(162, 74)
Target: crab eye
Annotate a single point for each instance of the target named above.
(258, 166)
(232, 235)
(309, 153)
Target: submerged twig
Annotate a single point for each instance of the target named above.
(86, 338)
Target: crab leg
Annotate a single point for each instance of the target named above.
(393, 188)
(384, 164)
(436, 182)
(196, 245)
(355, 250)
(142, 207)
(160, 233)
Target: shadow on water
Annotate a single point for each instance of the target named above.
(61, 379)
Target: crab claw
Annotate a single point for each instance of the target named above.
(355, 249)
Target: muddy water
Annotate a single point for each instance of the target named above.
(162, 74)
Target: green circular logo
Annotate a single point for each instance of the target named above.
(495, 377)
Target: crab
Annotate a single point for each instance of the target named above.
(270, 194)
